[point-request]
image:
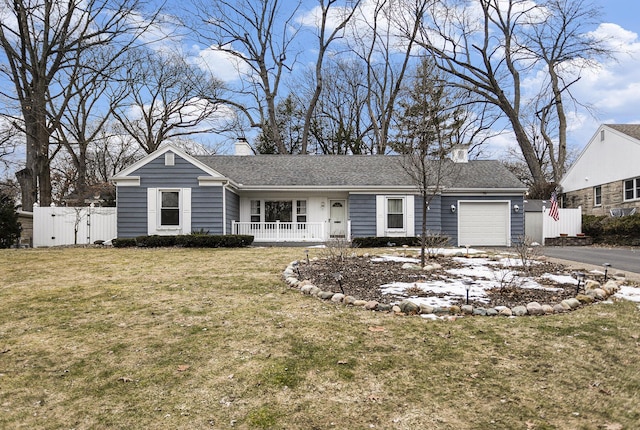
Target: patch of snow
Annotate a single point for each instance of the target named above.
(629, 293)
(395, 259)
(561, 279)
(486, 274)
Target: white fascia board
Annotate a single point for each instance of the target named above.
(488, 192)
(342, 188)
(209, 181)
(126, 181)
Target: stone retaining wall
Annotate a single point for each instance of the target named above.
(568, 241)
(593, 291)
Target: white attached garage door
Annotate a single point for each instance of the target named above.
(483, 223)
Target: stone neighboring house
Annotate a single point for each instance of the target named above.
(313, 198)
(605, 179)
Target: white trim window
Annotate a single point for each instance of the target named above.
(301, 213)
(168, 211)
(597, 195)
(395, 215)
(255, 211)
(632, 189)
(169, 208)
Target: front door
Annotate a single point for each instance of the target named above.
(337, 219)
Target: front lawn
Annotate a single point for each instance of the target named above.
(212, 338)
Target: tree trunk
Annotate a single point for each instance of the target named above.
(28, 188)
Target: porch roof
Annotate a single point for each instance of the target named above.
(350, 170)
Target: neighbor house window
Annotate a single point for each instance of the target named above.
(632, 189)
(169, 208)
(597, 196)
(395, 213)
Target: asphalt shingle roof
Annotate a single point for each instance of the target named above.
(632, 130)
(348, 170)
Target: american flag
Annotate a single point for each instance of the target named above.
(553, 212)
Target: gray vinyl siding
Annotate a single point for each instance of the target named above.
(517, 219)
(450, 220)
(233, 209)
(206, 202)
(434, 224)
(206, 209)
(362, 213)
(131, 205)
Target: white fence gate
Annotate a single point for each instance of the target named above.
(539, 225)
(55, 226)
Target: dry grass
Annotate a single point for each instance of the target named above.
(192, 339)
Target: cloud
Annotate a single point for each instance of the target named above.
(220, 63)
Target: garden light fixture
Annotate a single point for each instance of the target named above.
(467, 286)
(338, 277)
(580, 277)
(606, 268)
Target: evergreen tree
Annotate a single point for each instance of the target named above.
(9, 226)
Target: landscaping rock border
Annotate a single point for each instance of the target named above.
(594, 291)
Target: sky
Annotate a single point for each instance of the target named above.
(612, 92)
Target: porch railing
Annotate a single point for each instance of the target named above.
(281, 231)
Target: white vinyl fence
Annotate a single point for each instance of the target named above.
(539, 225)
(55, 226)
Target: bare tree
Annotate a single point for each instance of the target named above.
(385, 43)
(327, 33)
(340, 124)
(429, 126)
(82, 122)
(166, 98)
(259, 38)
(490, 46)
(8, 142)
(39, 40)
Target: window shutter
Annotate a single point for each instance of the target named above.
(186, 210)
(380, 215)
(152, 210)
(410, 216)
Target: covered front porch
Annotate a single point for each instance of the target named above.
(290, 231)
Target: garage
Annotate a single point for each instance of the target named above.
(484, 223)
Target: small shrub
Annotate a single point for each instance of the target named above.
(526, 251)
(124, 242)
(186, 241)
(156, 241)
(381, 242)
(433, 240)
(613, 230)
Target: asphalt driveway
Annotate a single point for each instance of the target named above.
(625, 259)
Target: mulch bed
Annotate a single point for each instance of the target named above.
(362, 278)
